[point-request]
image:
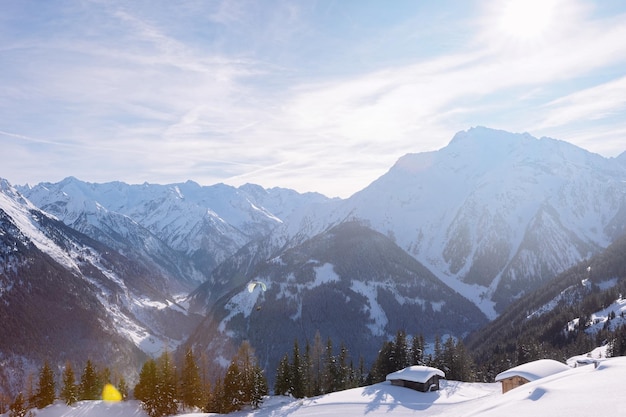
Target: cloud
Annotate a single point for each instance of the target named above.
(291, 94)
(595, 103)
(395, 104)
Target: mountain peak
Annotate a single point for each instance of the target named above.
(489, 139)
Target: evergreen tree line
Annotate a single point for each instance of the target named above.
(162, 390)
(89, 387)
(519, 337)
(450, 356)
(318, 370)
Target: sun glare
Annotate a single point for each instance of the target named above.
(526, 19)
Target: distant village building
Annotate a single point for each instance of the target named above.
(529, 372)
(419, 378)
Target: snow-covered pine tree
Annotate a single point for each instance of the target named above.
(233, 390)
(146, 388)
(283, 377)
(89, 387)
(167, 399)
(18, 407)
(46, 391)
(297, 379)
(69, 391)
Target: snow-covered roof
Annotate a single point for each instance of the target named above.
(416, 373)
(534, 370)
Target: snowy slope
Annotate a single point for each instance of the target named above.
(204, 225)
(18, 209)
(493, 214)
(580, 392)
(65, 296)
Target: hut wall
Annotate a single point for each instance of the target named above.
(418, 386)
(515, 381)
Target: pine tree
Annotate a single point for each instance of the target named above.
(400, 351)
(18, 407)
(30, 390)
(46, 391)
(463, 364)
(344, 369)
(361, 374)
(383, 364)
(317, 365)
(147, 381)
(283, 383)
(216, 400)
(89, 387)
(167, 403)
(259, 387)
(417, 350)
(436, 360)
(69, 392)
(243, 384)
(190, 384)
(156, 388)
(146, 388)
(204, 378)
(448, 358)
(297, 387)
(307, 371)
(330, 372)
(232, 388)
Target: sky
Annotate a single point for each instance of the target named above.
(313, 95)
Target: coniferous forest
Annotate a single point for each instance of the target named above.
(167, 386)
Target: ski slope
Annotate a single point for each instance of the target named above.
(578, 392)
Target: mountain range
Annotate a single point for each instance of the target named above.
(442, 243)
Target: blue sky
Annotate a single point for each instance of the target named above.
(311, 95)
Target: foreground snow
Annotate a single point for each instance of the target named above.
(579, 392)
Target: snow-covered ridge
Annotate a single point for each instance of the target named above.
(201, 222)
(19, 210)
(492, 211)
(129, 313)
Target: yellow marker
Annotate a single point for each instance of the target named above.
(110, 393)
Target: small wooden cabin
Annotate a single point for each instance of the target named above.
(418, 378)
(529, 372)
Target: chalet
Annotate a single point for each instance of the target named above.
(529, 372)
(419, 378)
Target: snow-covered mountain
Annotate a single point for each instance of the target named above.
(65, 296)
(583, 305)
(121, 258)
(493, 214)
(187, 228)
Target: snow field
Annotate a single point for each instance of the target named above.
(579, 392)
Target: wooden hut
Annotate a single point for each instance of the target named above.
(419, 378)
(529, 372)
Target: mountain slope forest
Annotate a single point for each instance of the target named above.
(580, 309)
